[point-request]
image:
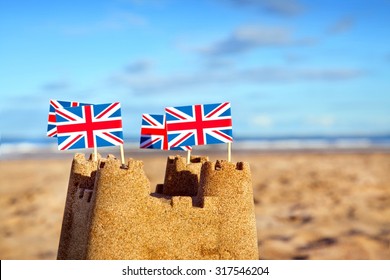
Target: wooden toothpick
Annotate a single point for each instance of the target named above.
(188, 156)
(229, 145)
(95, 156)
(123, 157)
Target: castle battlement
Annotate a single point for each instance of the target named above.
(234, 177)
(182, 178)
(204, 210)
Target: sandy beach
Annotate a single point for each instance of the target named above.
(308, 205)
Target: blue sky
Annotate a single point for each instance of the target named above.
(288, 67)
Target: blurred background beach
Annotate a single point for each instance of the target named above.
(308, 83)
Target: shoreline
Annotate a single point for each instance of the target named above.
(139, 153)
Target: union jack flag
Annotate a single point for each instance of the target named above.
(56, 104)
(89, 126)
(154, 133)
(199, 124)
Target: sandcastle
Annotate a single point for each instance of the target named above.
(204, 210)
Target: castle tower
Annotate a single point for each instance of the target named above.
(73, 239)
(231, 184)
(126, 221)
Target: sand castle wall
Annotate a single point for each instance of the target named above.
(126, 221)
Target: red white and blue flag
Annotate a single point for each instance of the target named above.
(89, 126)
(56, 104)
(154, 133)
(199, 124)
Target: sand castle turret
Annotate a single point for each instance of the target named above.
(230, 183)
(73, 240)
(204, 210)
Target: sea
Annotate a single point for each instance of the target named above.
(16, 148)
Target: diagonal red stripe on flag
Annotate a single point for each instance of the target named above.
(53, 133)
(149, 120)
(222, 135)
(151, 143)
(117, 139)
(71, 142)
(216, 110)
(65, 115)
(54, 104)
(175, 114)
(181, 139)
(107, 110)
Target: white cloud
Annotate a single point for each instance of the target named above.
(288, 74)
(151, 82)
(57, 85)
(278, 7)
(149, 3)
(139, 66)
(323, 121)
(342, 25)
(249, 37)
(263, 121)
(117, 21)
(294, 58)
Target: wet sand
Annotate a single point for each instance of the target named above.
(308, 205)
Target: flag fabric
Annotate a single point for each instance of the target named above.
(56, 104)
(89, 126)
(199, 124)
(154, 133)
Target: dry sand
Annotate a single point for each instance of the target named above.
(308, 206)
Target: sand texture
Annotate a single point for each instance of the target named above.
(307, 206)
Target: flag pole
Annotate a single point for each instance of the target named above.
(229, 146)
(123, 157)
(95, 157)
(188, 156)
